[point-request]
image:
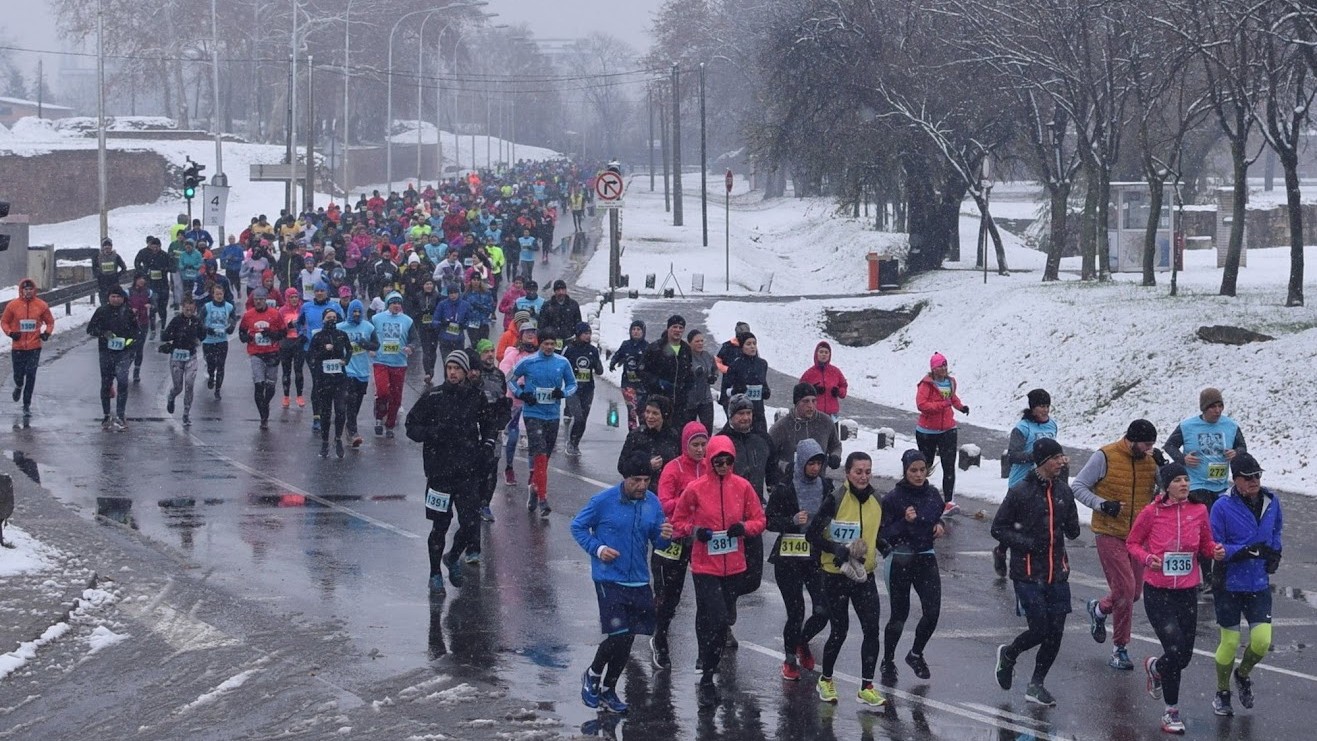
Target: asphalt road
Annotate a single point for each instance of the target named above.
(335, 551)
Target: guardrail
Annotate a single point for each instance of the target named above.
(68, 294)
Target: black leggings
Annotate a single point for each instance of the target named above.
(613, 654)
(160, 289)
(840, 592)
(1042, 608)
(216, 354)
(463, 502)
(943, 444)
(715, 612)
(918, 570)
(669, 581)
(356, 393)
(794, 577)
(292, 361)
(330, 398)
(584, 399)
(1174, 617)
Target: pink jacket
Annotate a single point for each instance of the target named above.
(1169, 527)
(935, 412)
(682, 470)
(824, 378)
(717, 503)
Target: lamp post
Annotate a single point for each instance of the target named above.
(347, 77)
(420, 89)
(101, 172)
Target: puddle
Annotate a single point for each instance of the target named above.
(27, 465)
(118, 509)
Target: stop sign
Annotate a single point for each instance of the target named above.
(729, 181)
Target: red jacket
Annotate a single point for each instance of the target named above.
(824, 378)
(682, 470)
(935, 412)
(1168, 527)
(717, 503)
(270, 323)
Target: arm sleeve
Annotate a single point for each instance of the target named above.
(628, 449)
(754, 511)
(1004, 529)
(1138, 533)
(778, 516)
(1239, 445)
(818, 525)
(1206, 545)
(1174, 445)
(1070, 525)
(1092, 472)
(841, 386)
(1015, 452)
(583, 528)
(682, 513)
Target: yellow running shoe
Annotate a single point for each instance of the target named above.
(827, 690)
(869, 696)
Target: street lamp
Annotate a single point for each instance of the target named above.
(347, 78)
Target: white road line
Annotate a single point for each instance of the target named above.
(1005, 714)
(991, 720)
(586, 479)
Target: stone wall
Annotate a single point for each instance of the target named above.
(61, 186)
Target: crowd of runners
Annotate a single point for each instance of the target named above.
(347, 296)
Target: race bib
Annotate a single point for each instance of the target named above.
(473, 323)
(672, 552)
(454, 328)
(116, 343)
(437, 501)
(793, 546)
(356, 349)
(262, 340)
(584, 375)
(108, 267)
(1217, 471)
(157, 275)
(754, 393)
(180, 356)
(308, 287)
(331, 366)
(543, 396)
(722, 543)
(391, 347)
(632, 377)
(27, 325)
(1177, 564)
(843, 532)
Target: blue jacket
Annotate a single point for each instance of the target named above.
(540, 373)
(629, 355)
(311, 317)
(450, 319)
(481, 305)
(1027, 432)
(1236, 529)
(392, 330)
(231, 257)
(627, 526)
(189, 264)
(531, 305)
(362, 336)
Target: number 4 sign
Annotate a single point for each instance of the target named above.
(216, 198)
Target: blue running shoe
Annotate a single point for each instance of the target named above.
(612, 703)
(589, 691)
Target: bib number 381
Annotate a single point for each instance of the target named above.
(437, 501)
(721, 543)
(1177, 564)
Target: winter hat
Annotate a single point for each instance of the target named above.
(27, 283)
(1141, 431)
(1045, 449)
(638, 324)
(1039, 398)
(802, 390)
(1209, 396)
(911, 457)
(741, 328)
(739, 402)
(582, 328)
(661, 403)
(1244, 464)
(107, 242)
(634, 465)
(527, 326)
(560, 283)
(292, 293)
(937, 361)
(345, 291)
(521, 317)
(484, 345)
(117, 291)
(458, 358)
(394, 298)
(260, 293)
(1169, 473)
(473, 359)
(676, 319)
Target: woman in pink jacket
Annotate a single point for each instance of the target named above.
(670, 564)
(935, 432)
(720, 509)
(1167, 537)
(827, 379)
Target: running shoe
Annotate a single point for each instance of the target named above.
(106, 423)
(454, 569)
(1171, 722)
(658, 648)
(1154, 679)
(509, 476)
(730, 643)
(545, 509)
(338, 448)
(301, 402)
(357, 441)
(1038, 694)
(804, 657)
(916, 662)
(379, 428)
(169, 405)
(707, 695)
(589, 690)
(1120, 659)
(121, 425)
(1244, 684)
(187, 421)
(870, 696)
(437, 584)
(473, 557)
(1097, 622)
(315, 424)
(265, 424)
(1005, 668)
(887, 671)
(18, 393)
(827, 690)
(287, 402)
(790, 671)
(217, 393)
(486, 514)
(950, 508)
(1221, 704)
(324, 449)
(999, 562)
(612, 703)
(388, 434)
(531, 498)
(210, 382)
(137, 376)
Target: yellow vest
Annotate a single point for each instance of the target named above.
(854, 520)
(1128, 481)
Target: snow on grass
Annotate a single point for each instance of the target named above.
(28, 556)
(458, 148)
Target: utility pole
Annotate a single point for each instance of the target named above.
(677, 215)
(704, 165)
(649, 97)
(290, 155)
(663, 144)
(218, 179)
(102, 177)
(347, 78)
(309, 195)
(41, 84)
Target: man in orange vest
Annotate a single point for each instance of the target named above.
(28, 322)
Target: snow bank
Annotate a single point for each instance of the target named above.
(458, 149)
(28, 556)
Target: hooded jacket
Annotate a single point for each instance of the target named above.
(682, 470)
(631, 356)
(786, 501)
(645, 442)
(825, 377)
(628, 526)
(936, 413)
(1166, 526)
(717, 503)
(1238, 529)
(114, 321)
(786, 434)
(318, 353)
(362, 336)
(1034, 522)
(917, 536)
(28, 319)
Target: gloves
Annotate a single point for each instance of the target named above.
(487, 447)
(834, 461)
(835, 391)
(1159, 457)
(884, 548)
(964, 409)
(858, 549)
(558, 394)
(1273, 559)
(1110, 508)
(45, 336)
(818, 389)
(15, 336)
(527, 397)
(704, 534)
(737, 530)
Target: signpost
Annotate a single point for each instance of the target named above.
(216, 202)
(727, 279)
(609, 189)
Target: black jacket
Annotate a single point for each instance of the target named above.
(631, 356)
(452, 424)
(917, 536)
(667, 373)
(342, 350)
(494, 385)
(148, 260)
(585, 361)
(754, 458)
(561, 318)
(109, 320)
(781, 513)
(184, 332)
(1034, 522)
(645, 443)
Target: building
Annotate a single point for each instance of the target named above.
(12, 109)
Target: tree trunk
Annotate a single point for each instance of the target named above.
(1289, 160)
(1156, 186)
(1059, 196)
(1102, 238)
(995, 234)
(931, 224)
(1239, 162)
(1088, 225)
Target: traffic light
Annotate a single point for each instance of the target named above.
(191, 179)
(4, 238)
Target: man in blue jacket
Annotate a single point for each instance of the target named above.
(1246, 521)
(617, 527)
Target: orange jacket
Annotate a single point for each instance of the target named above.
(20, 310)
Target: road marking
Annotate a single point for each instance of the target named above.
(586, 479)
(1005, 714)
(998, 722)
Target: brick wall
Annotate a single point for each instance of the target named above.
(60, 186)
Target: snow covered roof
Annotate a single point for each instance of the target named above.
(34, 104)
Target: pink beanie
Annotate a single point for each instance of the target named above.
(938, 360)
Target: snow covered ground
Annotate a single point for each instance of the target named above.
(1108, 353)
(458, 149)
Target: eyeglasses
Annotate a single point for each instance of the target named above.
(722, 461)
(1249, 476)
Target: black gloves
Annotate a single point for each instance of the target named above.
(1272, 557)
(1252, 550)
(1159, 457)
(527, 397)
(1110, 508)
(558, 394)
(45, 336)
(835, 391)
(15, 336)
(737, 530)
(834, 461)
(884, 548)
(487, 447)
(704, 534)
(964, 409)
(818, 389)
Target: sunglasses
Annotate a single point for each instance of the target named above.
(722, 461)
(1250, 476)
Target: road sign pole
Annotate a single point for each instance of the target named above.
(614, 257)
(727, 249)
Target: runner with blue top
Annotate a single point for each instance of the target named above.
(541, 382)
(219, 320)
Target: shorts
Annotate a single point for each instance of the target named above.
(1255, 607)
(1045, 599)
(625, 609)
(265, 368)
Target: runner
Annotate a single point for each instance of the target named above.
(140, 302)
(1247, 522)
(1165, 537)
(494, 384)
(827, 379)
(28, 322)
(394, 330)
(585, 362)
(449, 318)
(670, 564)
(1036, 422)
(115, 330)
(262, 328)
(666, 368)
(510, 335)
(361, 333)
(560, 313)
(617, 527)
(108, 269)
(450, 422)
(804, 421)
(704, 374)
(310, 318)
(330, 352)
(935, 433)
(154, 263)
(748, 375)
(1117, 483)
(532, 303)
(654, 440)
(795, 562)
(728, 352)
(754, 463)
(181, 340)
(217, 314)
(912, 522)
(1033, 521)
(630, 355)
(292, 353)
(718, 510)
(420, 306)
(526, 256)
(541, 381)
(845, 533)
(525, 348)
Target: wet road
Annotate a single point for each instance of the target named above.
(343, 542)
